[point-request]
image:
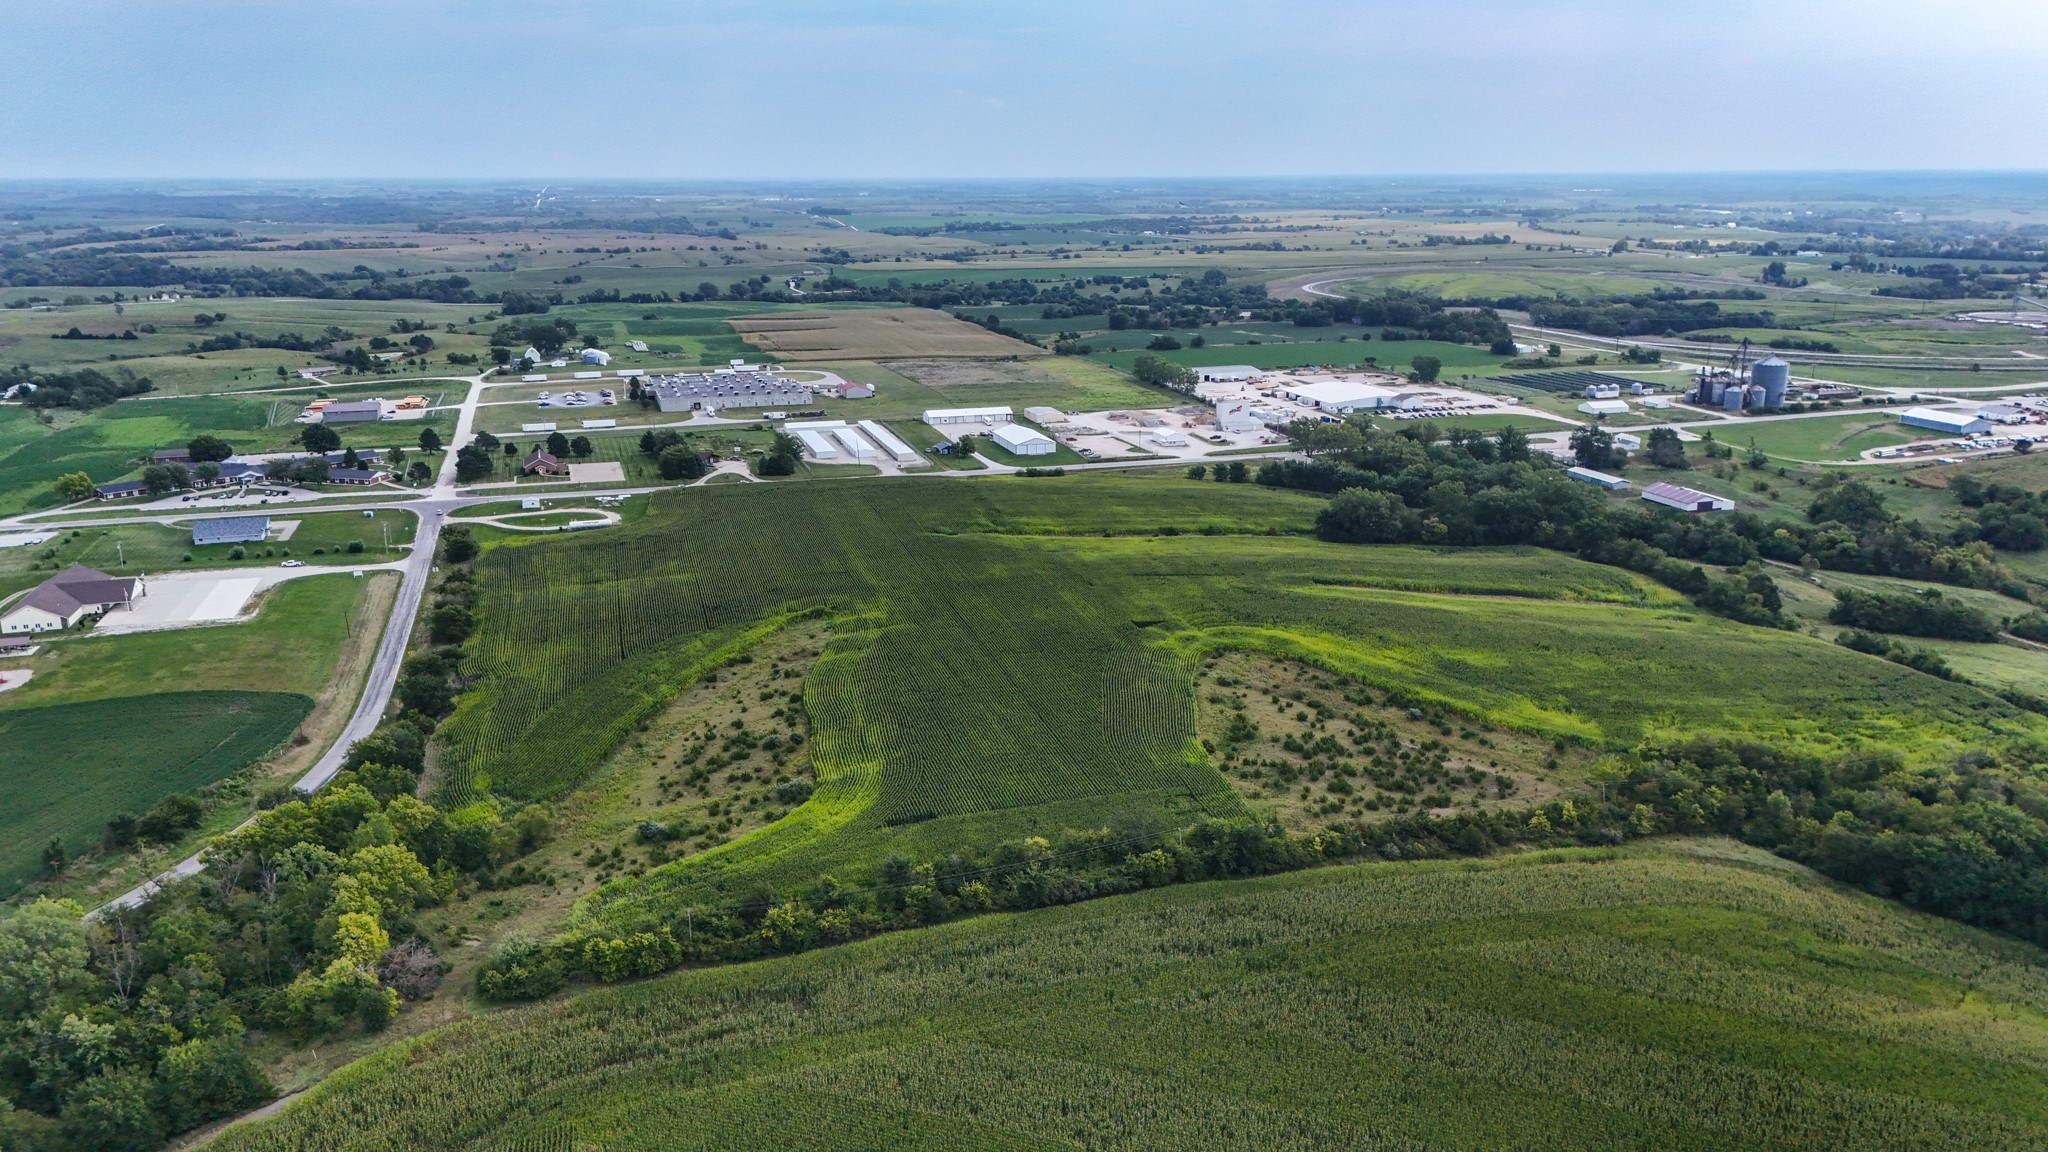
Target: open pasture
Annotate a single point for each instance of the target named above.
(1821, 438)
(873, 334)
(1012, 656)
(1692, 995)
(1308, 351)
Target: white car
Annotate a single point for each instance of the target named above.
(293, 564)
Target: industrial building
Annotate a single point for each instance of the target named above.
(1953, 423)
(352, 411)
(705, 391)
(66, 598)
(1598, 479)
(230, 530)
(1226, 373)
(890, 445)
(1686, 499)
(1236, 416)
(1742, 385)
(817, 443)
(1338, 395)
(1168, 438)
(1023, 440)
(856, 445)
(1041, 414)
(1605, 407)
(938, 416)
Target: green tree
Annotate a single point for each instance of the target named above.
(110, 1113)
(1314, 437)
(320, 438)
(1197, 471)
(430, 440)
(1426, 368)
(1510, 445)
(680, 462)
(1362, 516)
(1160, 373)
(54, 858)
(580, 447)
(419, 473)
(1594, 448)
(558, 445)
(473, 463)
(203, 448)
(73, 486)
(1665, 449)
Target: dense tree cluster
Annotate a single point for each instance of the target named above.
(1411, 486)
(83, 389)
(1929, 614)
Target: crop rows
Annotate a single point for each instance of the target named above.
(1540, 1003)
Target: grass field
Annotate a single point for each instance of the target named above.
(105, 443)
(67, 767)
(1822, 438)
(1692, 995)
(134, 549)
(289, 647)
(998, 665)
(873, 334)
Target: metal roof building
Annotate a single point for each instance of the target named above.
(1686, 499)
(856, 445)
(231, 530)
(1598, 479)
(1954, 423)
(819, 445)
(895, 448)
(937, 416)
(1023, 440)
(352, 412)
(694, 391)
(1337, 395)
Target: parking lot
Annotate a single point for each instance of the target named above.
(192, 599)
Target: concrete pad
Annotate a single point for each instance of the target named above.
(605, 472)
(24, 539)
(225, 599)
(281, 530)
(14, 678)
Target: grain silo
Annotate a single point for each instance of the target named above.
(1773, 376)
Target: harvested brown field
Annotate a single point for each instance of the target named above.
(872, 334)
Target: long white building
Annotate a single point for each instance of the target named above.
(888, 441)
(939, 416)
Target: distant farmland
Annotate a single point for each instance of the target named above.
(873, 334)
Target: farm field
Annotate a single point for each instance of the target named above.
(873, 334)
(1458, 359)
(67, 767)
(1692, 994)
(1013, 656)
(904, 389)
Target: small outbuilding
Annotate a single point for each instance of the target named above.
(352, 412)
(119, 490)
(597, 356)
(1605, 407)
(541, 462)
(855, 390)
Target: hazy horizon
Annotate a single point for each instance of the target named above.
(921, 90)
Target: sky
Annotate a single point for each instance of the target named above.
(714, 89)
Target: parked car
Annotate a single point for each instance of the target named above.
(293, 564)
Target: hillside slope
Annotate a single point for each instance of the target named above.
(1689, 995)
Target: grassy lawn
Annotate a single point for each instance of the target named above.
(1820, 438)
(134, 549)
(1309, 350)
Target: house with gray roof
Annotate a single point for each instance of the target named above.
(66, 598)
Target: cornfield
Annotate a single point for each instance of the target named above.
(1575, 1000)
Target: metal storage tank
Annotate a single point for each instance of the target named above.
(1735, 397)
(1773, 376)
(1717, 387)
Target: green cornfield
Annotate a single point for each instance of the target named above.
(1013, 656)
(1689, 995)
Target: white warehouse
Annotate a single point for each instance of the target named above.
(1022, 440)
(895, 448)
(939, 416)
(1953, 423)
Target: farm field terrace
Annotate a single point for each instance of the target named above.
(1017, 656)
(1687, 995)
